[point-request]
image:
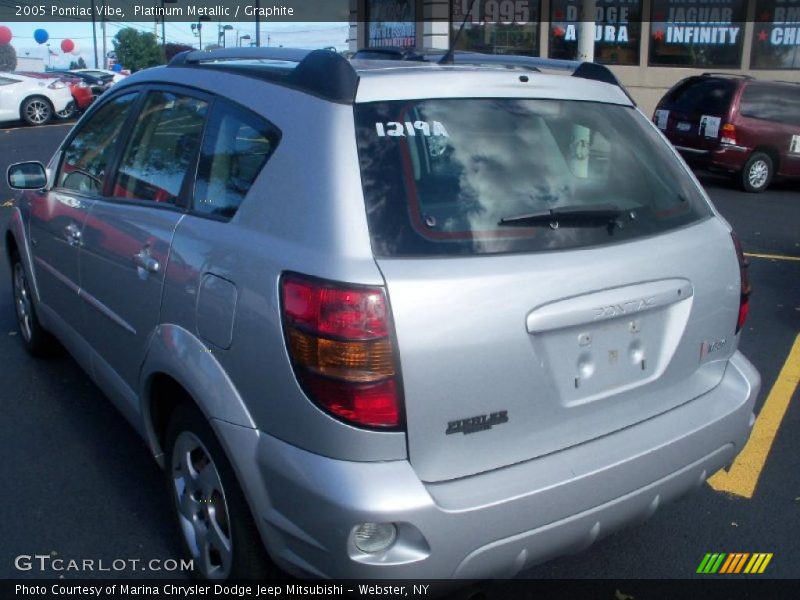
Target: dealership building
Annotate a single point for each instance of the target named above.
(649, 44)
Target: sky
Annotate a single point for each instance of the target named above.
(300, 35)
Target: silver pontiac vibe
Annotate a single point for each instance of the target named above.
(390, 319)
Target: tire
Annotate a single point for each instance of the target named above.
(757, 173)
(68, 112)
(38, 341)
(206, 497)
(36, 111)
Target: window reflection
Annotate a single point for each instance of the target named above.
(86, 158)
(162, 146)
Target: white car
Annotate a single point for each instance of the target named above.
(35, 101)
(100, 72)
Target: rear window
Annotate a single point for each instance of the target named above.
(708, 96)
(439, 175)
(778, 103)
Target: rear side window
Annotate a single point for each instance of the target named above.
(235, 149)
(440, 175)
(87, 155)
(771, 103)
(705, 95)
(163, 145)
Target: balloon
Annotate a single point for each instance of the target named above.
(117, 68)
(41, 36)
(76, 49)
(67, 46)
(5, 35)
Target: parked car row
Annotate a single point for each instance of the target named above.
(36, 98)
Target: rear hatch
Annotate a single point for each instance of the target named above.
(584, 312)
(693, 112)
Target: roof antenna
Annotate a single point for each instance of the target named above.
(448, 58)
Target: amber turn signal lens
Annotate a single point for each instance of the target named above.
(355, 361)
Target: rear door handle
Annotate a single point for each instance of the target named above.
(143, 260)
(72, 233)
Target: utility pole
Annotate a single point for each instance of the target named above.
(103, 32)
(94, 33)
(586, 31)
(258, 24)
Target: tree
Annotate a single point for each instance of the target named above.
(77, 64)
(137, 50)
(8, 58)
(171, 50)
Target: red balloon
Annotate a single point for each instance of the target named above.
(67, 46)
(5, 35)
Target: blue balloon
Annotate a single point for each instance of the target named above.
(41, 36)
(117, 68)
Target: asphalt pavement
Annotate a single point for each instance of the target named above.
(79, 484)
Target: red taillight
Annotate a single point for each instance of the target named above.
(728, 134)
(339, 342)
(744, 294)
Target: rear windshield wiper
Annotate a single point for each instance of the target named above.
(601, 214)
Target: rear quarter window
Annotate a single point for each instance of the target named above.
(777, 103)
(708, 96)
(439, 175)
(236, 147)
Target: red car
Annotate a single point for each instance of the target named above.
(82, 94)
(735, 124)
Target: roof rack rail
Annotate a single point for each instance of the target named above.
(322, 73)
(723, 74)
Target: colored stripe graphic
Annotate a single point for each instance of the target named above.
(734, 563)
(741, 558)
(758, 563)
(711, 562)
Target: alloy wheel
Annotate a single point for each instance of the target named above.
(22, 302)
(758, 174)
(37, 111)
(202, 508)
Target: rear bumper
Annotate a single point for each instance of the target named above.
(497, 523)
(727, 158)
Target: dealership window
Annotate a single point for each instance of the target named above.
(697, 33)
(776, 35)
(497, 26)
(618, 29)
(391, 23)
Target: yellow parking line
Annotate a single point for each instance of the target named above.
(741, 479)
(772, 256)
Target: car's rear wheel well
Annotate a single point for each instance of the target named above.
(11, 246)
(772, 153)
(37, 97)
(166, 394)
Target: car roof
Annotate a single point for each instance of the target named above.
(38, 75)
(20, 77)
